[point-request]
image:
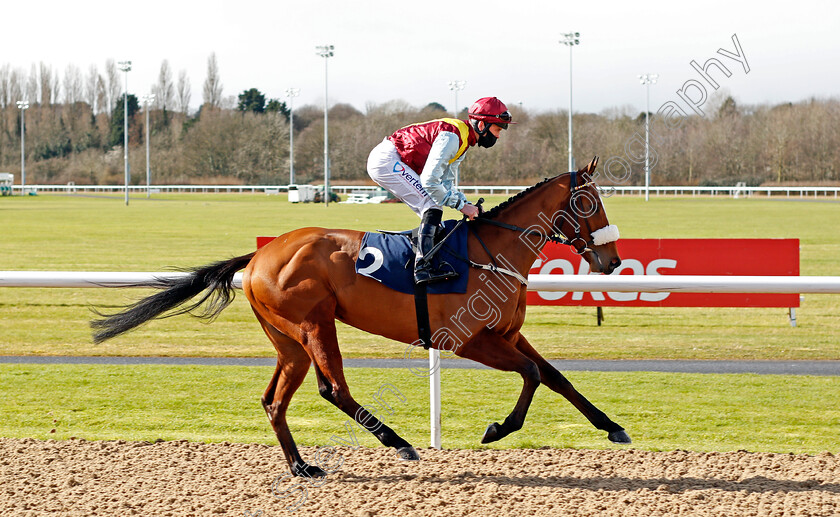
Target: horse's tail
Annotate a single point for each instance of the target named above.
(214, 280)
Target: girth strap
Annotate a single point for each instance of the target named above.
(421, 307)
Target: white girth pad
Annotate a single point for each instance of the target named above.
(605, 235)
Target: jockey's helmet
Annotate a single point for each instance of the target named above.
(492, 111)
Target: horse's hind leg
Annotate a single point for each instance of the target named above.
(319, 337)
(556, 381)
(491, 349)
(292, 366)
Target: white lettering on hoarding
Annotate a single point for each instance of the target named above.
(653, 269)
(549, 268)
(563, 266)
(638, 269)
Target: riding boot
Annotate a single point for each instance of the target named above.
(424, 273)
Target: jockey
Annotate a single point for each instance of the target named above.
(419, 163)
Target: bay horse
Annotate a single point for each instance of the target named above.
(304, 280)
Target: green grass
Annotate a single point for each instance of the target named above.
(53, 232)
(660, 411)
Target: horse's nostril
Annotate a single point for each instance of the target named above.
(615, 263)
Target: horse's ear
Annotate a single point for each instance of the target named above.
(589, 169)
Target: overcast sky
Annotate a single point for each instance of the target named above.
(390, 50)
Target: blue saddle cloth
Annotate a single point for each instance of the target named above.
(389, 259)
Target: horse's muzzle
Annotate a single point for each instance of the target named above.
(612, 266)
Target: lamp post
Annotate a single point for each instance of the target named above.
(570, 39)
(23, 105)
(147, 101)
(326, 52)
(456, 86)
(647, 80)
(125, 66)
(291, 93)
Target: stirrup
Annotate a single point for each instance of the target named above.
(425, 274)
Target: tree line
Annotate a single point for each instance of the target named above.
(74, 132)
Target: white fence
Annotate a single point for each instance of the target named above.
(556, 283)
(686, 190)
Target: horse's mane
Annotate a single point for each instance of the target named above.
(496, 210)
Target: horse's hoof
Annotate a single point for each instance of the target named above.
(408, 454)
(620, 437)
(492, 433)
(307, 470)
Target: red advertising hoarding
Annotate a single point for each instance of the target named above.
(749, 257)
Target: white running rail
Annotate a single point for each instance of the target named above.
(577, 283)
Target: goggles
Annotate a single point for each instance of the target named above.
(504, 117)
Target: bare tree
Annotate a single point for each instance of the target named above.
(46, 84)
(212, 84)
(184, 92)
(101, 94)
(55, 87)
(17, 85)
(33, 92)
(90, 88)
(73, 89)
(5, 73)
(228, 103)
(164, 90)
(113, 84)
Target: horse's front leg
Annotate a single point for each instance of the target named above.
(557, 382)
(491, 349)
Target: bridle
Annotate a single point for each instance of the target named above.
(557, 234)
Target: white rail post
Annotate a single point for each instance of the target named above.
(434, 397)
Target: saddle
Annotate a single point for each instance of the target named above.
(388, 257)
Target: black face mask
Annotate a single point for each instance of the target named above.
(487, 139)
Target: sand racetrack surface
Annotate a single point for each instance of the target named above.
(78, 477)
